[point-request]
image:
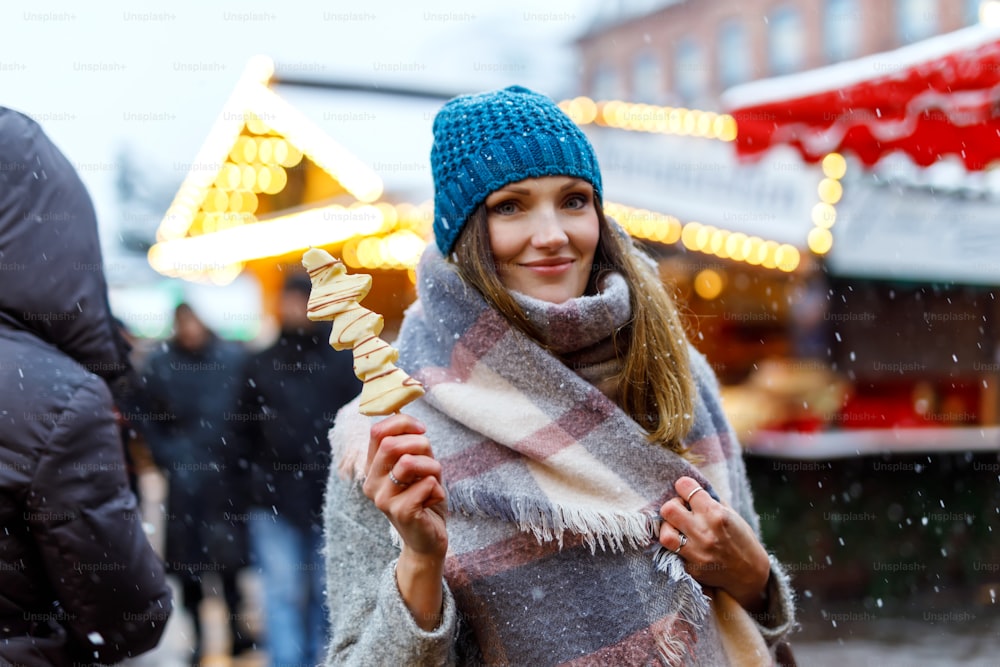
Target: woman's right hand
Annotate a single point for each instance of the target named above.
(415, 504)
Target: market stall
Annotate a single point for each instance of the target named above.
(911, 245)
(270, 181)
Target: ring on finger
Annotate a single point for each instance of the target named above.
(392, 478)
(683, 541)
(691, 495)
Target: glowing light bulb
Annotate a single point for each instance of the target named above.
(824, 215)
(265, 150)
(789, 260)
(708, 284)
(249, 178)
(588, 110)
(735, 246)
(834, 166)
(820, 240)
(729, 128)
(830, 191)
(717, 242)
(702, 237)
(689, 122)
(674, 230)
(689, 235)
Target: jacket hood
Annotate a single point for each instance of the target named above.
(51, 271)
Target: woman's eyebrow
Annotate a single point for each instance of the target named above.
(520, 191)
(572, 184)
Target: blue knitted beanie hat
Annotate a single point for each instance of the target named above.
(486, 141)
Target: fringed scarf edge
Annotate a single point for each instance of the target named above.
(550, 521)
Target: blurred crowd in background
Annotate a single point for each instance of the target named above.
(240, 439)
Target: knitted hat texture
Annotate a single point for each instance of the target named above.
(486, 141)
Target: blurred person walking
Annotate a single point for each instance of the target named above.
(290, 392)
(79, 582)
(190, 387)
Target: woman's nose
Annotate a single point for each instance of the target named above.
(549, 233)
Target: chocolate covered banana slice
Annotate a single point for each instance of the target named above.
(373, 355)
(388, 391)
(354, 325)
(333, 289)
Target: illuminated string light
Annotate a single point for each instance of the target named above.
(707, 239)
(635, 117)
(824, 213)
(395, 236)
(694, 235)
(279, 236)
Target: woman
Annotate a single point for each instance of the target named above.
(568, 491)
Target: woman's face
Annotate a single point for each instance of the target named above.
(189, 331)
(543, 234)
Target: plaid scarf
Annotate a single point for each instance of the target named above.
(554, 491)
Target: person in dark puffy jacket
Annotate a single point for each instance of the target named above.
(79, 582)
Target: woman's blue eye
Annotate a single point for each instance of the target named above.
(505, 208)
(576, 201)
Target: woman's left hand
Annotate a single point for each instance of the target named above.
(719, 548)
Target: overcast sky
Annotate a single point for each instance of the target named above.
(154, 75)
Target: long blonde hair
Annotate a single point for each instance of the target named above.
(655, 386)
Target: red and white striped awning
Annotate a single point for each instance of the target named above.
(928, 100)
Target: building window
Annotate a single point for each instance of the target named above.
(841, 29)
(734, 53)
(785, 47)
(971, 11)
(916, 19)
(690, 71)
(605, 85)
(646, 79)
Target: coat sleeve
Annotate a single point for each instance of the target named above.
(85, 522)
(370, 623)
(779, 617)
(247, 438)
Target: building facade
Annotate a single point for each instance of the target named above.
(685, 53)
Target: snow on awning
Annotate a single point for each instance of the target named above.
(937, 97)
